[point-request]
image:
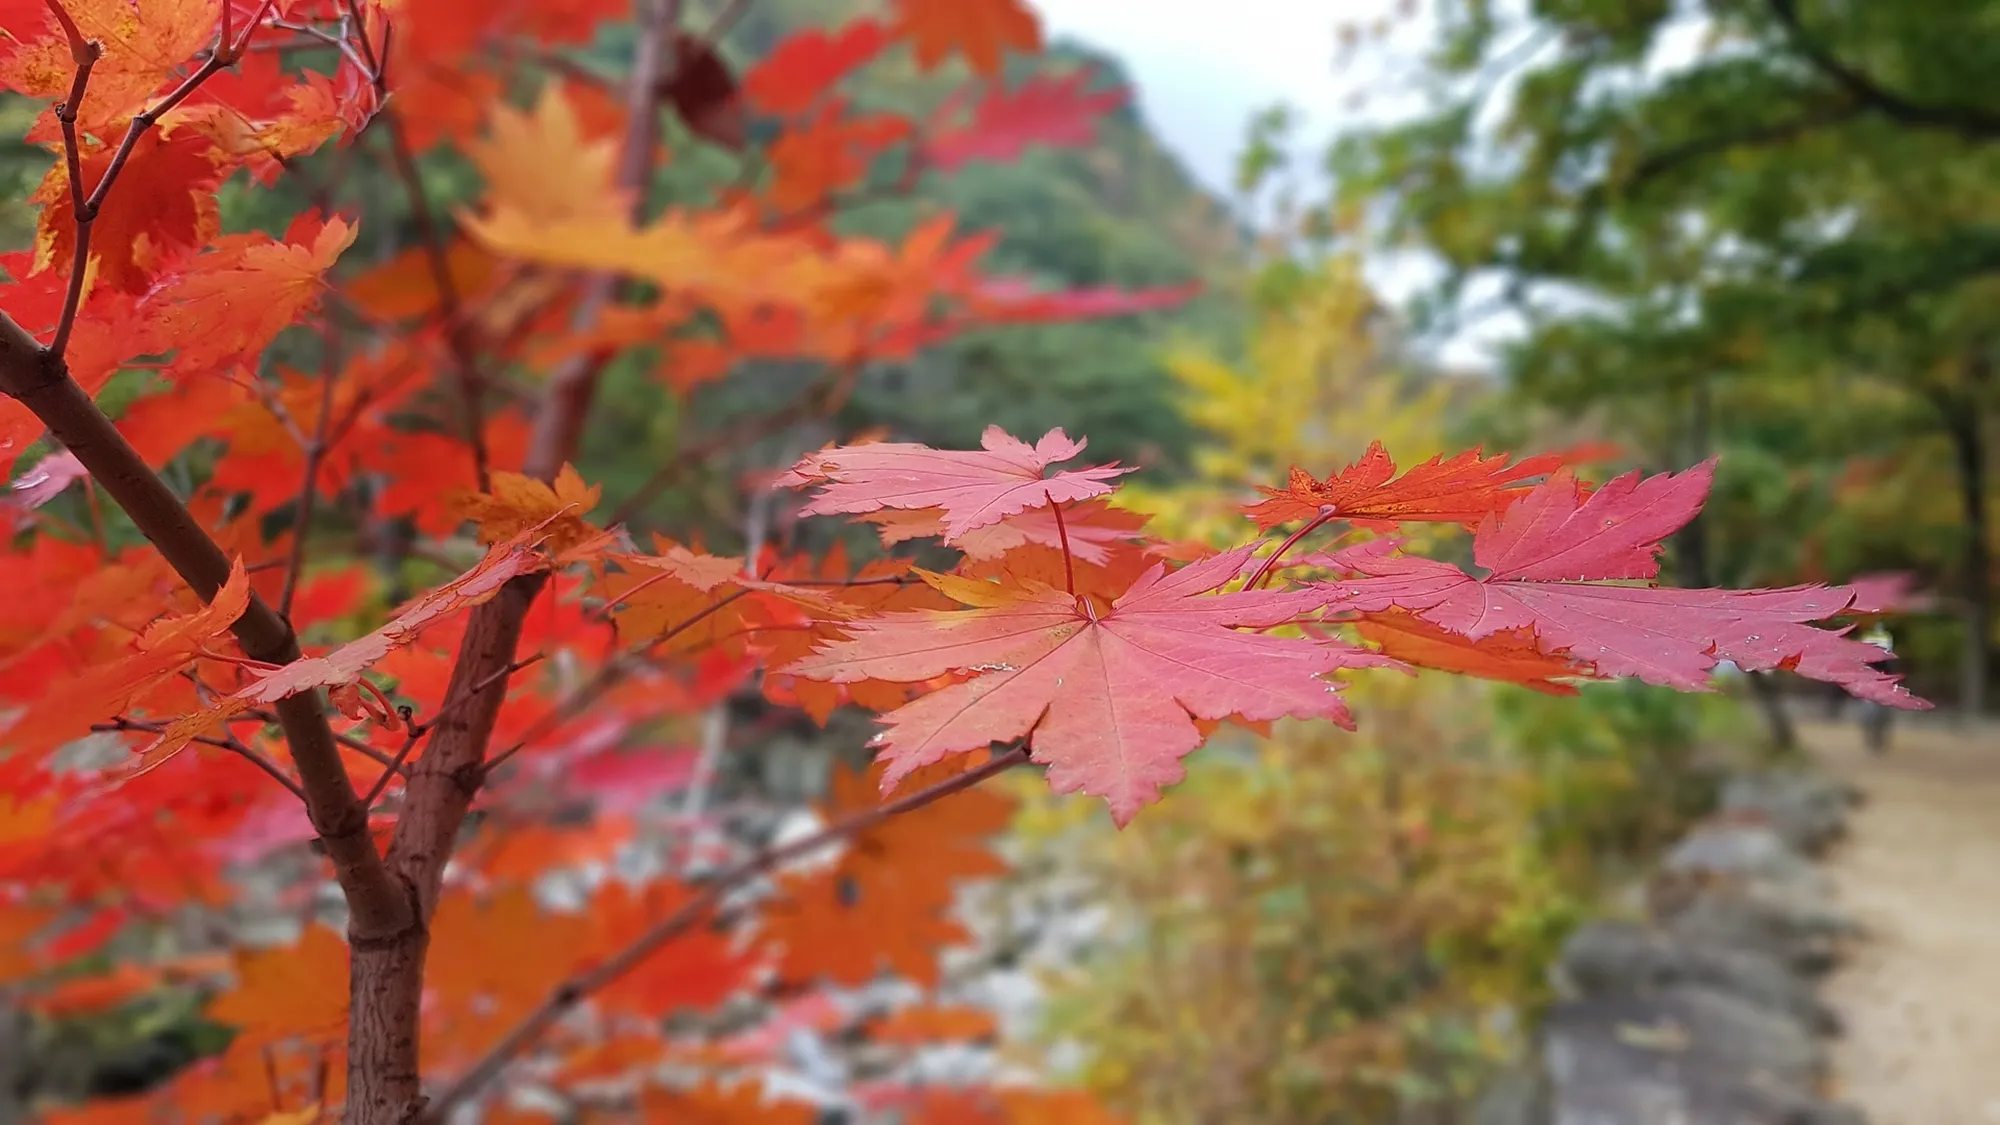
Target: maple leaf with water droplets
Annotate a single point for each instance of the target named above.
(1109, 698)
(1458, 489)
(974, 488)
(1547, 556)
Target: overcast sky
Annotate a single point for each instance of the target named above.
(1203, 68)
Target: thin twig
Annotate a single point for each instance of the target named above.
(818, 400)
(606, 677)
(223, 56)
(451, 306)
(227, 742)
(578, 988)
(315, 456)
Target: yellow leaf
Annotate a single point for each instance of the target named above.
(541, 168)
(518, 502)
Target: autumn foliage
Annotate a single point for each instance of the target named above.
(266, 700)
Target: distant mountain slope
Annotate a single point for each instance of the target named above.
(1122, 212)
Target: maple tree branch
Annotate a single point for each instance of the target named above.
(40, 381)
(1970, 121)
(580, 987)
(316, 449)
(386, 979)
(85, 52)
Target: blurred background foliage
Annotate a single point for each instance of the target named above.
(1777, 250)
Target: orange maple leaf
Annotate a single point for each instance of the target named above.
(507, 952)
(981, 30)
(816, 159)
(314, 115)
(142, 43)
(712, 1104)
(518, 503)
(923, 1025)
(1511, 656)
(232, 302)
(700, 969)
(886, 901)
(289, 991)
(1464, 488)
(163, 649)
(802, 68)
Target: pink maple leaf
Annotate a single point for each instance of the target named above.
(974, 488)
(1548, 554)
(1108, 699)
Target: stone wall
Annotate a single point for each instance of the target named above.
(1703, 1009)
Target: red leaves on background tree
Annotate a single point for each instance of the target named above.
(1043, 110)
(802, 69)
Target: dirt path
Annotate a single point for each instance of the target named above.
(1921, 995)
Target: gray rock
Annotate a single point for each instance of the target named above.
(1809, 810)
(1686, 1056)
(1803, 931)
(1608, 958)
(1731, 850)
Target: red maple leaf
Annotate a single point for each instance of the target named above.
(1546, 556)
(1008, 301)
(1107, 698)
(805, 66)
(137, 231)
(1460, 489)
(1044, 110)
(975, 488)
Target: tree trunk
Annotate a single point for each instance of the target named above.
(1691, 551)
(1964, 422)
(1771, 701)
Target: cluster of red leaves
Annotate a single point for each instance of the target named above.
(1062, 633)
